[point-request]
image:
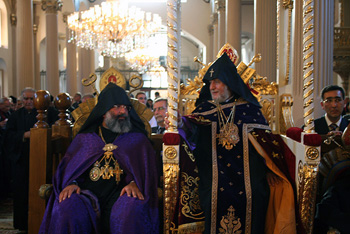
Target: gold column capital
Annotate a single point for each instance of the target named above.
(13, 19)
(288, 4)
(220, 5)
(51, 6)
(65, 17)
(214, 18)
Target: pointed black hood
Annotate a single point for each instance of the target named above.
(225, 70)
(111, 95)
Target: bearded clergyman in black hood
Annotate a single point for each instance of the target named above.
(107, 181)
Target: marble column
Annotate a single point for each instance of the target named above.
(24, 46)
(233, 24)
(12, 85)
(220, 7)
(71, 66)
(86, 67)
(297, 64)
(210, 54)
(52, 71)
(215, 36)
(265, 37)
(323, 49)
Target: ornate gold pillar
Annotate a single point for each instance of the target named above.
(71, 66)
(265, 37)
(220, 8)
(52, 73)
(24, 46)
(233, 24)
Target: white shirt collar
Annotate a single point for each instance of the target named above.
(330, 122)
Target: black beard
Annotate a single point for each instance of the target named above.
(118, 125)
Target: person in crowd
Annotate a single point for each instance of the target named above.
(149, 103)
(76, 100)
(156, 95)
(160, 109)
(332, 103)
(5, 113)
(19, 103)
(141, 96)
(16, 147)
(236, 153)
(5, 163)
(108, 185)
(13, 102)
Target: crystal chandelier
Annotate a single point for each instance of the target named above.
(112, 28)
(141, 59)
(144, 58)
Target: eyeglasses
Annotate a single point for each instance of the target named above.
(158, 108)
(28, 98)
(128, 108)
(333, 99)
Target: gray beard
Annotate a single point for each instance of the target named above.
(118, 125)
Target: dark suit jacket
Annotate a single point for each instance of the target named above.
(321, 126)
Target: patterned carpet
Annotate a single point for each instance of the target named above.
(6, 217)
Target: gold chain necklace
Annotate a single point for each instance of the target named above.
(228, 136)
(106, 171)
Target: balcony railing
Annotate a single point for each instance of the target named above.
(342, 38)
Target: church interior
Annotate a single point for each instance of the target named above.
(287, 51)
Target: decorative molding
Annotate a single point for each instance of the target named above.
(220, 5)
(288, 4)
(214, 18)
(51, 6)
(13, 19)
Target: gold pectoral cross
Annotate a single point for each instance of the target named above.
(117, 171)
(106, 171)
(228, 136)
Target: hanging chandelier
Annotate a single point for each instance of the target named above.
(144, 58)
(112, 28)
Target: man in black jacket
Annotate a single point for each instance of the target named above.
(333, 104)
(16, 146)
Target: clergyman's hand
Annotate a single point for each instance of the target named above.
(67, 192)
(132, 190)
(272, 179)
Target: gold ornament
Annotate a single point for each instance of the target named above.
(228, 136)
(106, 171)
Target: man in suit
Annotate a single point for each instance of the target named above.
(160, 107)
(333, 104)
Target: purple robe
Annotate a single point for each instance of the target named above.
(136, 156)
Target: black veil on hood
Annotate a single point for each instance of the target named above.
(111, 95)
(225, 70)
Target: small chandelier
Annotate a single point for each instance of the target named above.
(141, 59)
(112, 28)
